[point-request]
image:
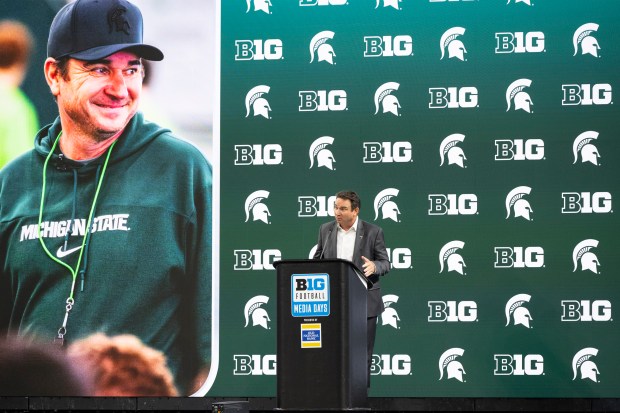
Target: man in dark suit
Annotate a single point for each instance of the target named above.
(362, 243)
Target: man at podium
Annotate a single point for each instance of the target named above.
(363, 244)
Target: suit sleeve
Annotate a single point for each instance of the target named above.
(380, 258)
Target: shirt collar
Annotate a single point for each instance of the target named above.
(353, 227)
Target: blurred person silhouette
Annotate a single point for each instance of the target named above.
(105, 226)
(18, 117)
(30, 368)
(149, 105)
(123, 366)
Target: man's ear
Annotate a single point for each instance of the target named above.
(52, 75)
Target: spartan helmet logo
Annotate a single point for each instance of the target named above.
(389, 315)
(259, 210)
(587, 368)
(262, 5)
(521, 99)
(455, 261)
(259, 315)
(588, 151)
(456, 48)
(384, 97)
(520, 314)
(515, 200)
(521, 1)
(388, 3)
(389, 209)
(259, 104)
(319, 45)
(453, 367)
(589, 45)
(589, 260)
(455, 154)
(324, 157)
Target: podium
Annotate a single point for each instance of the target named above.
(321, 341)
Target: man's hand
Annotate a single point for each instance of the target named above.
(369, 267)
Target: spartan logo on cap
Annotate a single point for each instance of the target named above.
(385, 98)
(324, 157)
(448, 255)
(583, 37)
(319, 45)
(389, 3)
(521, 1)
(454, 153)
(383, 201)
(453, 367)
(389, 315)
(587, 368)
(515, 309)
(254, 203)
(583, 145)
(259, 315)
(589, 260)
(255, 101)
(514, 200)
(449, 40)
(522, 100)
(260, 5)
(117, 20)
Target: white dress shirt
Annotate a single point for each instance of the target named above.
(346, 242)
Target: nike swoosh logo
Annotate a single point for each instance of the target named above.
(62, 253)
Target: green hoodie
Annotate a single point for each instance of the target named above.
(147, 260)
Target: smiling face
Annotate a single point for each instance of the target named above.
(97, 98)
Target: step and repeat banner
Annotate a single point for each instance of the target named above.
(482, 136)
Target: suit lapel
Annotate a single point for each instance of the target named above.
(333, 241)
(359, 240)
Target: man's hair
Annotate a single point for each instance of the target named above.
(351, 196)
(16, 43)
(124, 366)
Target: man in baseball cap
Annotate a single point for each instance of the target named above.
(105, 225)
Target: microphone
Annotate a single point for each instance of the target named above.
(325, 244)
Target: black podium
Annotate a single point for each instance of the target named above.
(321, 335)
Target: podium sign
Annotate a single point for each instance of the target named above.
(321, 335)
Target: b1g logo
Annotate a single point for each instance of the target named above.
(258, 49)
(449, 363)
(519, 257)
(586, 310)
(586, 367)
(310, 295)
(452, 204)
(520, 42)
(322, 100)
(519, 149)
(390, 365)
(449, 41)
(316, 206)
(400, 258)
(587, 94)
(256, 260)
(323, 2)
(583, 38)
(453, 97)
(519, 365)
(388, 46)
(516, 311)
(452, 311)
(449, 149)
(584, 145)
(260, 5)
(387, 152)
(270, 154)
(323, 50)
(586, 203)
(254, 365)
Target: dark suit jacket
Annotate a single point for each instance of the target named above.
(369, 242)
